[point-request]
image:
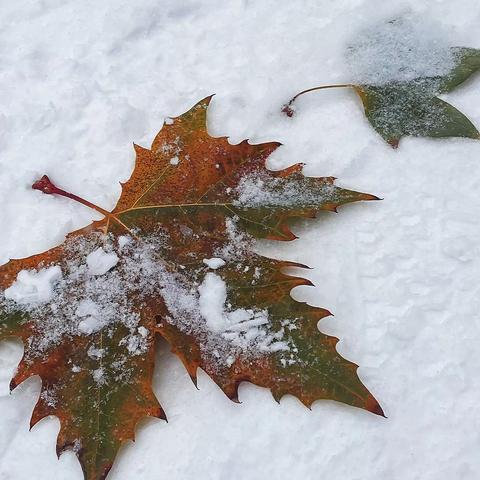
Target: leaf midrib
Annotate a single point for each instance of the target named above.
(227, 206)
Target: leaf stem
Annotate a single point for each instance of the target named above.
(45, 185)
(287, 107)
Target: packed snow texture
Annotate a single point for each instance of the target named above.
(402, 49)
(81, 80)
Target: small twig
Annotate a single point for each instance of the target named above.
(288, 110)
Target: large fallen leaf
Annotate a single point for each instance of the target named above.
(174, 258)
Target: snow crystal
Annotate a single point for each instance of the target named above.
(96, 353)
(89, 326)
(77, 446)
(143, 332)
(136, 343)
(49, 397)
(100, 262)
(32, 287)
(214, 262)
(174, 148)
(91, 321)
(174, 161)
(123, 241)
(99, 376)
(401, 50)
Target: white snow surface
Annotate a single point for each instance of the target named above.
(404, 48)
(80, 81)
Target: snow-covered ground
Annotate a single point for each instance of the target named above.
(80, 81)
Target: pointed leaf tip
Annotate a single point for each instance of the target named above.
(374, 407)
(378, 410)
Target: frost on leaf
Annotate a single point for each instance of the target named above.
(174, 259)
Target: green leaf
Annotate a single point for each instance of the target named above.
(413, 108)
(468, 63)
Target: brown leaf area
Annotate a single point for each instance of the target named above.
(96, 417)
(146, 269)
(281, 374)
(185, 166)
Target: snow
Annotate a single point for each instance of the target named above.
(91, 296)
(34, 287)
(238, 242)
(99, 376)
(123, 241)
(412, 53)
(81, 80)
(402, 49)
(99, 261)
(213, 294)
(214, 262)
(263, 190)
(92, 322)
(240, 327)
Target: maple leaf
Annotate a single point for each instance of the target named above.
(174, 258)
(412, 108)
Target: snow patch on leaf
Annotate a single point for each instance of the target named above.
(263, 190)
(244, 328)
(34, 287)
(100, 262)
(213, 294)
(92, 297)
(238, 242)
(214, 262)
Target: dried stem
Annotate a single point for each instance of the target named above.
(45, 185)
(287, 107)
